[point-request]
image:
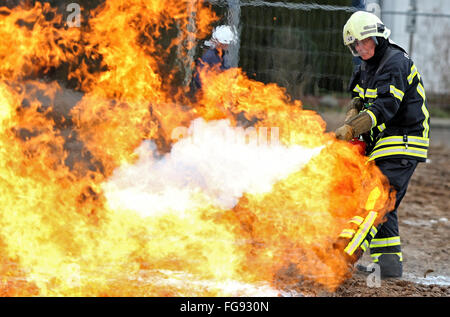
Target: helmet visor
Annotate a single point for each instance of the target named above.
(352, 48)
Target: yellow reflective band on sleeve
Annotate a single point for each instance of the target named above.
(385, 242)
(364, 245)
(421, 91)
(347, 233)
(397, 93)
(373, 232)
(426, 126)
(361, 234)
(375, 256)
(371, 93)
(413, 74)
(357, 220)
(359, 90)
(372, 116)
(381, 127)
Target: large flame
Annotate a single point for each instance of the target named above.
(130, 188)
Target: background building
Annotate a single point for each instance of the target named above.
(425, 35)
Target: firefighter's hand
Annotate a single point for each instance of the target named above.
(356, 103)
(353, 108)
(344, 133)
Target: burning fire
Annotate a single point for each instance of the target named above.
(123, 186)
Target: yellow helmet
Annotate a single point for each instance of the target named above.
(362, 25)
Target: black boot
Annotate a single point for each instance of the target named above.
(390, 265)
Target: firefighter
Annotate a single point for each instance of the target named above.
(389, 111)
(221, 38)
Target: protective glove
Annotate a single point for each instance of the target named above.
(355, 126)
(344, 133)
(360, 123)
(353, 108)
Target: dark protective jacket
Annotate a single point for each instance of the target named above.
(211, 58)
(394, 97)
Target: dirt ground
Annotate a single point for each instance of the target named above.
(424, 222)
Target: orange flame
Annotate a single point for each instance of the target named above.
(65, 168)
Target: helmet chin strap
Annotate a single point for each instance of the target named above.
(375, 40)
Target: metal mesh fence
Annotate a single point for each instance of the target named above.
(301, 50)
(298, 44)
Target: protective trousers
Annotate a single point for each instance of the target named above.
(387, 239)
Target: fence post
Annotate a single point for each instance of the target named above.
(190, 43)
(234, 17)
(411, 24)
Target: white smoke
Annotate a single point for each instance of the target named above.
(213, 163)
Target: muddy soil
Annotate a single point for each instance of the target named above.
(424, 223)
(357, 287)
